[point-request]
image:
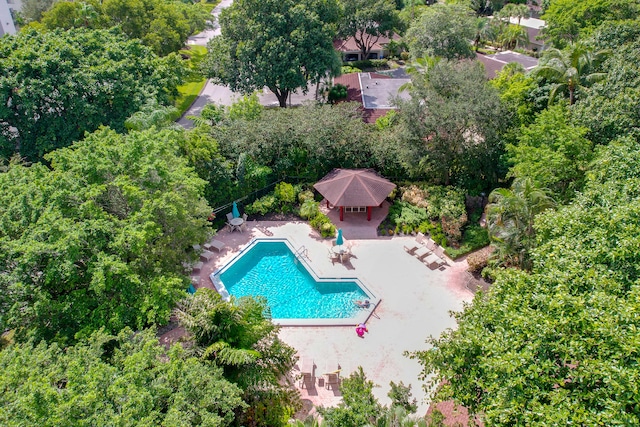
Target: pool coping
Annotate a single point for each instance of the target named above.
(362, 315)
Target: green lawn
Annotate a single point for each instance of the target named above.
(190, 90)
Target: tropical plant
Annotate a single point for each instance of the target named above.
(510, 219)
(571, 69)
(513, 36)
(358, 406)
(240, 337)
(485, 31)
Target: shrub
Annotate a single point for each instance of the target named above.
(478, 260)
(379, 63)
(309, 209)
(348, 69)
(404, 56)
(406, 217)
(305, 195)
(323, 224)
(262, 206)
(443, 204)
(285, 193)
(337, 93)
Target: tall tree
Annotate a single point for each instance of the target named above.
(126, 380)
(568, 21)
(571, 69)
(443, 30)
(558, 345)
(609, 109)
(32, 10)
(164, 26)
(510, 218)
(283, 45)
(367, 21)
(451, 126)
(553, 152)
(82, 79)
(100, 239)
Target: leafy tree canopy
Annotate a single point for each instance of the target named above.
(569, 21)
(553, 152)
(280, 44)
(98, 241)
(609, 109)
(443, 30)
(306, 141)
(451, 125)
(366, 21)
(163, 25)
(560, 345)
(57, 85)
(124, 380)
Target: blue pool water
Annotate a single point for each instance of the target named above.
(271, 270)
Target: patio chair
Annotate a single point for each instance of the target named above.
(422, 252)
(215, 244)
(334, 256)
(433, 261)
(229, 216)
(411, 248)
(306, 377)
(244, 221)
(431, 245)
(332, 379)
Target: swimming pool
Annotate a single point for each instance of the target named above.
(295, 294)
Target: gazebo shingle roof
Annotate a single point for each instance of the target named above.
(354, 187)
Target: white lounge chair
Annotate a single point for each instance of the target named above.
(412, 248)
(215, 244)
(422, 252)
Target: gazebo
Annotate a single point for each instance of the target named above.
(354, 190)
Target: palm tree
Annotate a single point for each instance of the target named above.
(485, 30)
(241, 338)
(420, 68)
(570, 69)
(512, 36)
(510, 217)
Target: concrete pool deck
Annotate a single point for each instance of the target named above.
(415, 304)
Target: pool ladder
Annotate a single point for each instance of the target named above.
(302, 252)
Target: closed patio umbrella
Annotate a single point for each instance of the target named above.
(234, 211)
(339, 239)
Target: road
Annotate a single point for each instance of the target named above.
(211, 92)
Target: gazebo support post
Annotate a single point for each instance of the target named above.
(328, 205)
(368, 213)
(341, 213)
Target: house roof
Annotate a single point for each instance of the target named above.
(493, 64)
(454, 415)
(375, 96)
(354, 187)
(349, 45)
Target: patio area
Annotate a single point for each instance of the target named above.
(415, 302)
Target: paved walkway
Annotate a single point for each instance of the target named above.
(415, 304)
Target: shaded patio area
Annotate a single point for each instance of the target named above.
(354, 224)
